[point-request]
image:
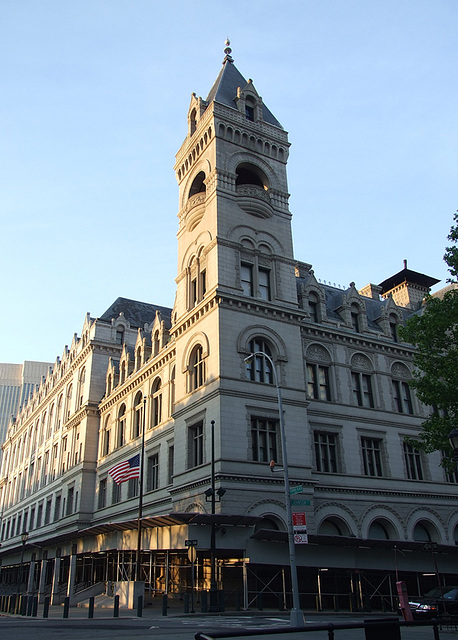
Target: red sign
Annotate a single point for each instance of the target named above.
(299, 520)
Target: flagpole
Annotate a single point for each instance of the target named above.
(140, 497)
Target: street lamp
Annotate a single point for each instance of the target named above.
(24, 537)
(210, 494)
(296, 615)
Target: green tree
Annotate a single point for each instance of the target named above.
(434, 333)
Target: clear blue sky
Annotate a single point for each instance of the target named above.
(94, 102)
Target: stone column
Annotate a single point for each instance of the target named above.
(41, 584)
(71, 578)
(55, 582)
(31, 576)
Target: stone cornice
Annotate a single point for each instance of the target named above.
(137, 378)
(370, 343)
(385, 493)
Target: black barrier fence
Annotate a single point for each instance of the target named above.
(387, 628)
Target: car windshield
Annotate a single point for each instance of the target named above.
(450, 593)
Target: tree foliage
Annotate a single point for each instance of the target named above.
(434, 333)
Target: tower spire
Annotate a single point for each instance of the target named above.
(228, 51)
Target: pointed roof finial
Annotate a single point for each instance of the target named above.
(228, 52)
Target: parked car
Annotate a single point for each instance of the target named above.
(437, 602)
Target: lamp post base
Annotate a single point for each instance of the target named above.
(296, 618)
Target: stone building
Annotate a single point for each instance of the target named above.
(181, 380)
(17, 383)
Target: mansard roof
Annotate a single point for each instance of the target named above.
(136, 313)
(224, 90)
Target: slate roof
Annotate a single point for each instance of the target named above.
(136, 313)
(225, 87)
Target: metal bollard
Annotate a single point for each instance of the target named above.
(139, 606)
(66, 607)
(46, 607)
(116, 607)
(164, 604)
(90, 611)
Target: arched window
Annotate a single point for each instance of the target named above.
(196, 368)
(198, 184)
(156, 392)
(121, 439)
(249, 174)
(259, 368)
(156, 343)
(138, 358)
(50, 421)
(106, 437)
(138, 415)
(122, 376)
(378, 531)
(120, 335)
(172, 390)
(68, 401)
(59, 412)
(421, 533)
(192, 122)
(81, 381)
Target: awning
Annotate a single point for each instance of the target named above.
(173, 519)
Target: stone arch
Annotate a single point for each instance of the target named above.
(245, 157)
(386, 517)
(269, 508)
(361, 362)
(430, 521)
(202, 165)
(400, 370)
(317, 353)
(197, 338)
(271, 336)
(243, 233)
(340, 514)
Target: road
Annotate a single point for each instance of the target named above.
(154, 627)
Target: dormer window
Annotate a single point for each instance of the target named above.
(355, 321)
(313, 307)
(249, 108)
(192, 122)
(393, 328)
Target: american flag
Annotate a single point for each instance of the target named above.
(126, 470)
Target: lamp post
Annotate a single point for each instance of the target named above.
(24, 537)
(296, 615)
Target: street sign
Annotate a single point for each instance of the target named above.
(300, 538)
(191, 543)
(299, 527)
(192, 554)
(300, 503)
(299, 520)
(294, 490)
